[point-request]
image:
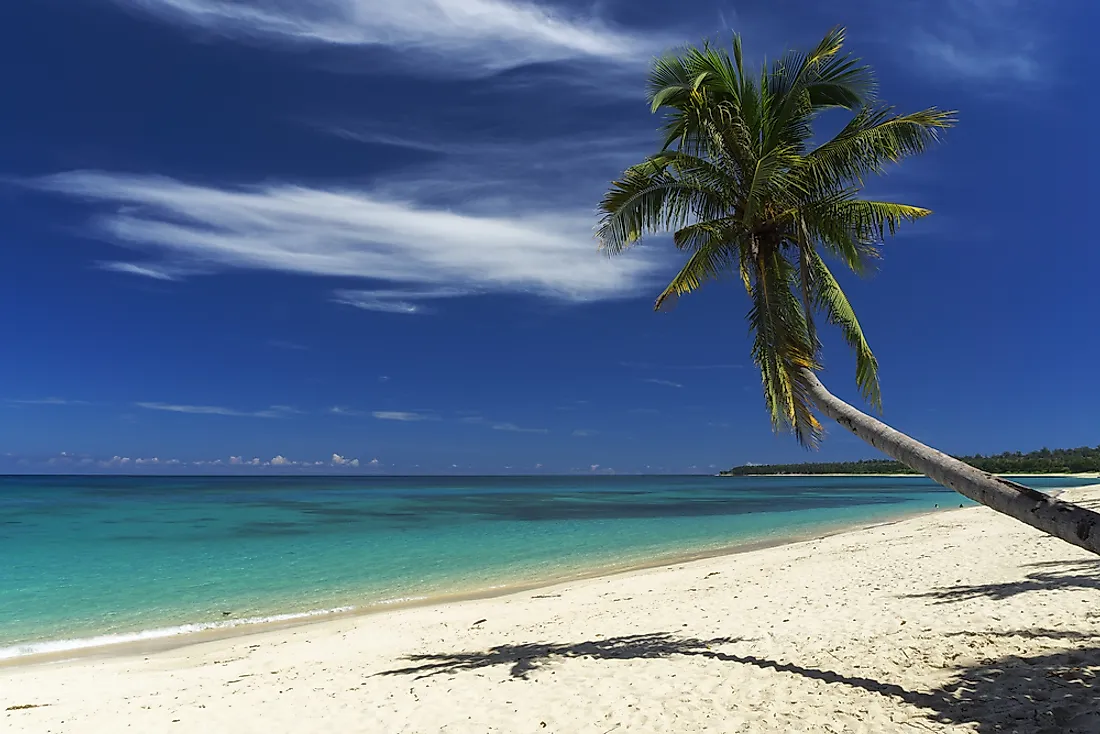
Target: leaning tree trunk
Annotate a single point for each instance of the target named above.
(1070, 522)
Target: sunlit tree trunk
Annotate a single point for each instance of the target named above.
(1070, 522)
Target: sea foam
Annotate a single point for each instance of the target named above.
(84, 643)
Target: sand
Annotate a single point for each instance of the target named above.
(961, 621)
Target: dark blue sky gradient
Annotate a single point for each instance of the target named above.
(175, 173)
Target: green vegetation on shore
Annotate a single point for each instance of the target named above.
(1043, 461)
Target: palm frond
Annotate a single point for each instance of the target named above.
(831, 298)
(737, 182)
(781, 348)
(711, 260)
(852, 228)
(871, 140)
(772, 171)
(873, 220)
(648, 198)
(803, 84)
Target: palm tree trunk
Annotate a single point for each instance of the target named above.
(1070, 522)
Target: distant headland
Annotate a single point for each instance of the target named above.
(1044, 461)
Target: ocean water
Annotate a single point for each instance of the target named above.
(86, 561)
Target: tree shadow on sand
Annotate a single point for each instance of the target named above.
(526, 658)
(1053, 575)
(1043, 694)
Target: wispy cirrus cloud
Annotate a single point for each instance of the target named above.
(275, 411)
(665, 383)
(394, 301)
(478, 420)
(47, 401)
(978, 40)
(446, 37)
(359, 233)
(513, 428)
(487, 171)
(147, 271)
(403, 416)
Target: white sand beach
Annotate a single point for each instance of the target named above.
(962, 621)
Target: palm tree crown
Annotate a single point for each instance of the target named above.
(745, 190)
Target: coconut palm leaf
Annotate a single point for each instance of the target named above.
(830, 298)
(871, 140)
(782, 348)
(739, 181)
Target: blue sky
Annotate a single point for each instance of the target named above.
(351, 236)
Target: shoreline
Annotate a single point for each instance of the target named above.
(943, 622)
(163, 639)
(1077, 475)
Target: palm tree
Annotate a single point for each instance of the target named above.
(748, 192)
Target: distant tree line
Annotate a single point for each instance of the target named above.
(1043, 461)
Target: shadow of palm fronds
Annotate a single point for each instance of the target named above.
(1044, 694)
(1058, 575)
(525, 658)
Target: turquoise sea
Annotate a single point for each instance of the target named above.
(86, 561)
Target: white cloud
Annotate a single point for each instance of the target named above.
(236, 460)
(338, 460)
(255, 462)
(48, 401)
(342, 410)
(666, 383)
(478, 420)
(401, 415)
(115, 461)
(281, 460)
(394, 301)
(432, 251)
(146, 271)
(455, 36)
(494, 175)
(979, 40)
(373, 462)
(957, 53)
(153, 460)
(512, 427)
(275, 411)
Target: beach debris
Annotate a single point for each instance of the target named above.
(226, 614)
(480, 621)
(712, 573)
(24, 706)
